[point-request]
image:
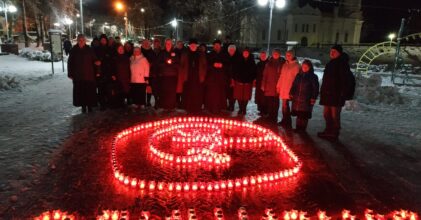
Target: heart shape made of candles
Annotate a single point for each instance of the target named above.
(198, 141)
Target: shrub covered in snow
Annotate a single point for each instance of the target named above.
(370, 91)
(8, 82)
(34, 54)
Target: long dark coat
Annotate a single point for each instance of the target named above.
(304, 88)
(191, 80)
(244, 78)
(215, 83)
(271, 76)
(333, 87)
(168, 68)
(105, 55)
(81, 70)
(259, 96)
(121, 70)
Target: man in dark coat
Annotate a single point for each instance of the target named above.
(192, 77)
(67, 46)
(179, 49)
(153, 58)
(259, 95)
(81, 70)
(168, 65)
(233, 59)
(215, 97)
(104, 81)
(332, 92)
(121, 77)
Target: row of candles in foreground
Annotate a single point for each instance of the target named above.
(242, 214)
(209, 186)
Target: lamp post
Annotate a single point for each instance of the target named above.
(272, 3)
(219, 33)
(82, 30)
(7, 8)
(174, 24)
(142, 10)
(120, 7)
(391, 37)
(68, 21)
(77, 16)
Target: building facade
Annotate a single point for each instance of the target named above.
(306, 25)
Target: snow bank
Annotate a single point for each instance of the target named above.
(16, 72)
(37, 54)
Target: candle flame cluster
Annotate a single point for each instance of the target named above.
(56, 215)
(269, 214)
(204, 148)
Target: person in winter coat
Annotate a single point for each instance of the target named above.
(154, 78)
(67, 46)
(287, 75)
(104, 81)
(128, 49)
(121, 76)
(81, 71)
(269, 82)
(179, 50)
(168, 62)
(259, 95)
(191, 77)
(243, 80)
(139, 68)
(303, 93)
(233, 59)
(215, 97)
(332, 92)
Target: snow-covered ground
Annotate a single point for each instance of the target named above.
(380, 140)
(16, 72)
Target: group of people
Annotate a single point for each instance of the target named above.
(115, 75)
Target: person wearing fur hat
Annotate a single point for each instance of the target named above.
(332, 92)
(191, 78)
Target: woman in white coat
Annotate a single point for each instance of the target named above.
(287, 75)
(139, 68)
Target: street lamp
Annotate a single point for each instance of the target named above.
(391, 37)
(219, 32)
(174, 24)
(82, 30)
(142, 10)
(272, 3)
(120, 7)
(77, 15)
(7, 8)
(68, 21)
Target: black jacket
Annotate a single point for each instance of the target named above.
(333, 89)
(246, 70)
(80, 65)
(168, 63)
(304, 88)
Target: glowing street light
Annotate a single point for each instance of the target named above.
(68, 21)
(120, 7)
(272, 4)
(142, 10)
(174, 24)
(219, 32)
(7, 8)
(391, 37)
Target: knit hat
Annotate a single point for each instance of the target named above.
(217, 41)
(193, 41)
(337, 47)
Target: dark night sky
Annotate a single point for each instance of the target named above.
(380, 16)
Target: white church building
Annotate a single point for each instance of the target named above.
(306, 26)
